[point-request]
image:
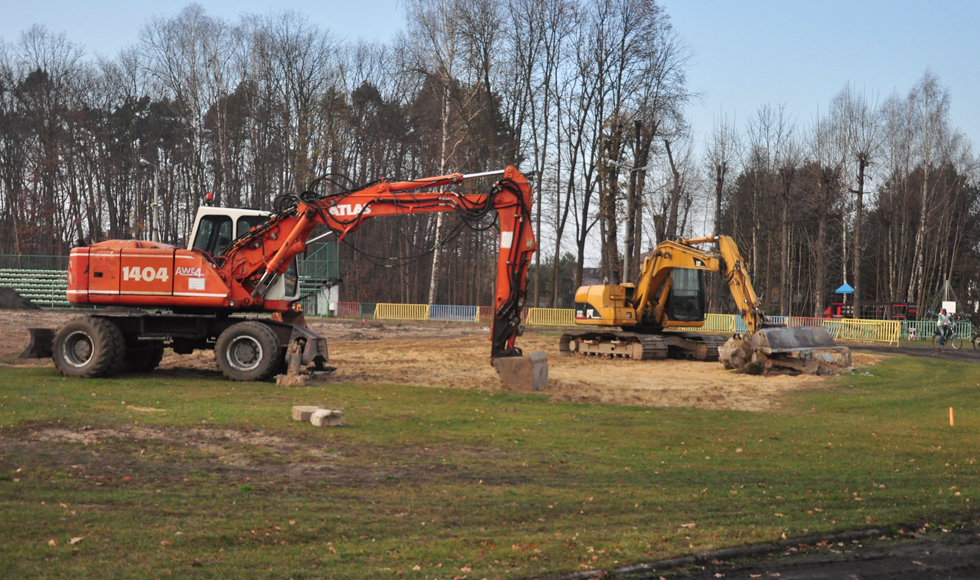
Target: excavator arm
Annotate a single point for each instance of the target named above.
(651, 294)
(255, 260)
(732, 268)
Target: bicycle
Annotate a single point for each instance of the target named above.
(953, 339)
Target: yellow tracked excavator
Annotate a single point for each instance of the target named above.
(658, 316)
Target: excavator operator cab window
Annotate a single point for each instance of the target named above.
(214, 234)
(686, 302)
(247, 222)
(291, 278)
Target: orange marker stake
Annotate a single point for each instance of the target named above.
(950, 416)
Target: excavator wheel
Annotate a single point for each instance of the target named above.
(88, 347)
(142, 356)
(248, 351)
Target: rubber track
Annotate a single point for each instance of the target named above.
(713, 342)
(654, 347)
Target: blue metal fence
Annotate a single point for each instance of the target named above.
(453, 313)
(740, 327)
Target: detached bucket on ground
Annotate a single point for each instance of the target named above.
(42, 341)
(523, 374)
(808, 349)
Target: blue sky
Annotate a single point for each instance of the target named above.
(747, 53)
(800, 54)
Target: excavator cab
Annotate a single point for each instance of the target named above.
(215, 228)
(687, 299)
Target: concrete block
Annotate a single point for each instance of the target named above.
(303, 412)
(327, 418)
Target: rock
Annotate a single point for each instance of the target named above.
(303, 412)
(735, 353)
(292, 380)
(327, 418)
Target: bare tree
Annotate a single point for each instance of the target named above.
(929, 103)
(182, 55)
(858, 122)
(436, 30)
(827, 171)
(768, 134)
(722, 152)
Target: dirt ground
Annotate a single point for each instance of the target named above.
(452, 355)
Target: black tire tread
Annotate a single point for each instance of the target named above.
(107, 347)
(118, 346)
(264, 335)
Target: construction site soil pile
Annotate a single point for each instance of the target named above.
(10, 299)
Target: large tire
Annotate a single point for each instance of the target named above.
(119, 346)
(88, 347)
(142, 356)
(248, 351)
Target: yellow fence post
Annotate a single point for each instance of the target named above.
(887, 331)
(401, 311)
(551, 317)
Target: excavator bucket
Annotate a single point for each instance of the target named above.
(42, 341)
(809, 350)
(789, 339)
(523, 374)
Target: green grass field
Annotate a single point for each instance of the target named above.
(203, 478)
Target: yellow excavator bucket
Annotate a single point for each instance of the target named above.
(806, 349)
(782, 339)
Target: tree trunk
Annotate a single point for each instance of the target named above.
(917, 279)
(858, 216)
(784, 262)
(819, 266)
(434, 278)
(675, 194)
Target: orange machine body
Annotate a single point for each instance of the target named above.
(144, 274)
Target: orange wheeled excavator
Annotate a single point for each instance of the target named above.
(193, 298)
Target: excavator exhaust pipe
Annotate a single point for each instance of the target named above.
(808, 349)
(523, 374)
(42, 341)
